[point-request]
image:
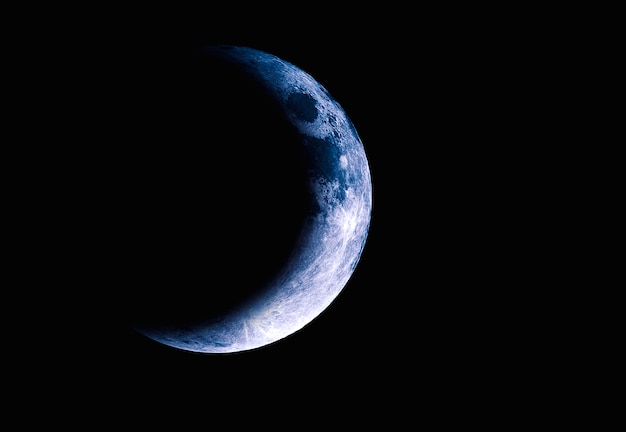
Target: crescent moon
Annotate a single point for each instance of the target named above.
(332, 237)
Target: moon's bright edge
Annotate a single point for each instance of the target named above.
(332, 243)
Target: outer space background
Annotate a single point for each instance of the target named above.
(414, 335)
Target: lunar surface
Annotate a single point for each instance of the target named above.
(330, 238)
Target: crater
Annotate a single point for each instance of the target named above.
(303, 106)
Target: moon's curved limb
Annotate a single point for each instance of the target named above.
(334, 235)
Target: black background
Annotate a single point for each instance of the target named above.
(415, 331)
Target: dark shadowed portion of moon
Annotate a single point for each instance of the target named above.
(212, 189)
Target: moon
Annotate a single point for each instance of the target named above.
(328, 240)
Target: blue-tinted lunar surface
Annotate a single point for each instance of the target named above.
(332, 237)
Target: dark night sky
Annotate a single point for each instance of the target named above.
(413, 319)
